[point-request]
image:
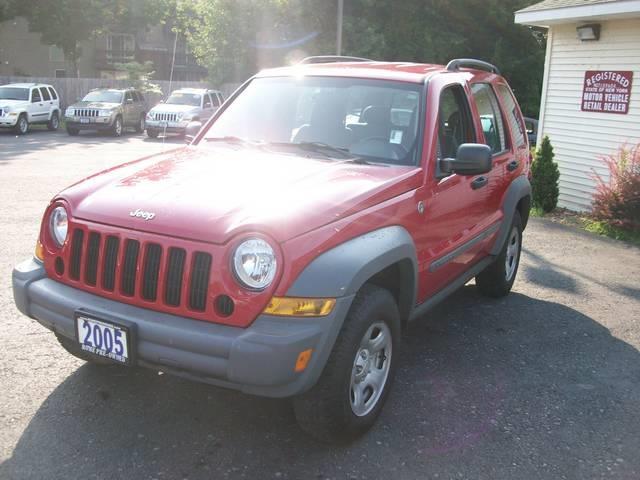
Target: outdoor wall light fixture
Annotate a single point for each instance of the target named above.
(590, 32)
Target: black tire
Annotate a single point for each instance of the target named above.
(54, 123)
(22, 125)
(497, 279)
(325, 411)
(72, 131)
(141, 124)
(117, 129)
(152, 133)
(74, 349)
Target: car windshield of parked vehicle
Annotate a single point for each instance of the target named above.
(14, 93)
(181, 98)
(104, 96)
(368, 120)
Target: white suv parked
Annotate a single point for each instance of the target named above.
(183, 106)
(22, 104)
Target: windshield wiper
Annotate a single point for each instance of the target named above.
(316, 147)
(231, 139)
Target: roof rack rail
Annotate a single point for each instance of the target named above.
(332, 59)
(458, 63)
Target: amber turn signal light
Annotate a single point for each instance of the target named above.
(39, 253)
(300, 307)
(303, 360)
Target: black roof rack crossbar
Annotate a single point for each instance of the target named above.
(332, 59)
(458, 63)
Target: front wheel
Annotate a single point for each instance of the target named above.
(72, 131)
(497, 279)
(116, 129)
(356, 380)
(152, 133)
(22, 125)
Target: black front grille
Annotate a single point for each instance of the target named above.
(86, 112)
(199, 281)
(129, 267)
(91, 263)
(150, 273)
(111, 247)
(76, 254)
(175, 270)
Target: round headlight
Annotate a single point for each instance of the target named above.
(255, 264)
(58, 225)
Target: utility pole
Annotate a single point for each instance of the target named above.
(339, 34)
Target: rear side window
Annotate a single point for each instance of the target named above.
(513, 115)
(490, 116)
(35, 95)
(54, 95)
(454, 122)
(45, 94)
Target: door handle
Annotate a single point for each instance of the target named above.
(513, 165)
(479, 182)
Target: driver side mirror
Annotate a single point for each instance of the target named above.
(471, 159)
(191, 131)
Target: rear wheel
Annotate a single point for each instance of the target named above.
(356, 380)
(22, 125)
(74, 349)
(117, 127)
(141, 124)
(54, 123)
(497, 279)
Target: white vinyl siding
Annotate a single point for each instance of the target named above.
(579, 138)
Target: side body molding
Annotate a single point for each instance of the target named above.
(344, 269)
(519, 189)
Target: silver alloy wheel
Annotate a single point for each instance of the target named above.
(513, 251)
(23, 125)
(118, 128)
(370, 369)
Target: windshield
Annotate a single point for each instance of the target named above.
(181, 98)
(105, 96)
(374, 120)
(14, 93)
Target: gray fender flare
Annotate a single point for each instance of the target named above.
(344, 269)
(519, 189)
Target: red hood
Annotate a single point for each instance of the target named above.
(211, 194)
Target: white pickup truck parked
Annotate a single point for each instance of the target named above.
(23, 104)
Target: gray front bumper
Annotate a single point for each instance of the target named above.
(259, 359)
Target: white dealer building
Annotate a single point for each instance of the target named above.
(591, 90)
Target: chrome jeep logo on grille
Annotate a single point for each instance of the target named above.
(142, 214)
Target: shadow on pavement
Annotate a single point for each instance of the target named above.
(513, 388)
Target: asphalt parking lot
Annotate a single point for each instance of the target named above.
(544, 384)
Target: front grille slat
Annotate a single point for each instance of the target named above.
(111, 248)
(173, 281)
(129, 267)
(199, 284)
(91, 265)
(76, 254)
(86, 112)
(150, 272)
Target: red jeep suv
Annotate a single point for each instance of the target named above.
(282, 253)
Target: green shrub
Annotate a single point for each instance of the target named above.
(544, 178)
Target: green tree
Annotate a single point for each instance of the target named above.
(66, 23)
(140, 75)
(544, 178)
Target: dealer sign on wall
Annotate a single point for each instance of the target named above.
(606, 91)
